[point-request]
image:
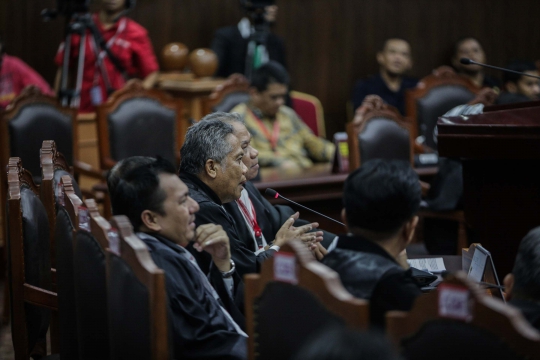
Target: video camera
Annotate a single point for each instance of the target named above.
(67, 8)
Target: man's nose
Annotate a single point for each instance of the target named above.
(254, 153)
(194, 206)
(244, 169)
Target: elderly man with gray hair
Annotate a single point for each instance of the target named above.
(215, 174)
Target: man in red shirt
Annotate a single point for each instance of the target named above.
(129, 43)
(15, 75)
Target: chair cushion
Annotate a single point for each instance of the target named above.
(142, 127)
(66, 285)
(231, 100)
(129, 313)
(37, 265)
(436, 103)
(384, 139)
(35, 123)
(91, 297)
(447, 339)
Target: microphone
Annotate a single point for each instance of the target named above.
(466, 61)
(275, 195)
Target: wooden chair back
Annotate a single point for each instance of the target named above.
(137, 298)
(459, 321)
(381, 133)
(29, 262)
(139, 122)
(53, 168)
(31, 118)
(90, 247)
(66, 226)
(281, 302)
(226, 96)
(433, 96)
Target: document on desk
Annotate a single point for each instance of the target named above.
(433, 265)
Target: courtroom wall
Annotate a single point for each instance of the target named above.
(330, 43)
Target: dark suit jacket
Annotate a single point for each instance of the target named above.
(198, 327)
(368, 272)
(269, 217)
(231, 50)
(212, 212)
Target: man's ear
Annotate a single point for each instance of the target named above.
(508, 283)
(380, 58)
(149, 221)
(253, 93)
(455, 62)
(409, 229)
(211, 168)
(511, 87)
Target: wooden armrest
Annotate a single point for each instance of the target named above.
(83, 168)
(425, 188)
(40, 297)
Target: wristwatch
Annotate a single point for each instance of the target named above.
(228, 274)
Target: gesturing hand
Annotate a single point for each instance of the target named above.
(214, 240)
(289, 232)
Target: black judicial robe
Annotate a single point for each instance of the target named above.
(197, 326)
(269, 217)
(212, 212)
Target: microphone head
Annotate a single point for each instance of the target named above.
(271, 192)
(466, 61)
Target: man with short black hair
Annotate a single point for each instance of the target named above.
(520, 88)
(281, 137)
(215, 174)
(381, 200)
(121, 168)
(204, 316)
(470, 48)
(522, 285)
(395, 60)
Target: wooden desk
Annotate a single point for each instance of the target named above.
(316, 188)
(500, 152)
(193, 92)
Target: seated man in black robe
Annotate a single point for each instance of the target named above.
(213, 170)
(268, 218)
(204, 320)
(522, 286)
(381, 199)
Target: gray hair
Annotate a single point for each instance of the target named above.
(205, 140)
(225, 117)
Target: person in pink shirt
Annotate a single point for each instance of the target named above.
(15, 75)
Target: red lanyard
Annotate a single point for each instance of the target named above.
(252, 219)
(273, 138)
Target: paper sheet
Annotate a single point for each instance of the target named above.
(434, 265)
